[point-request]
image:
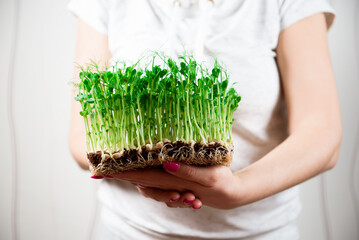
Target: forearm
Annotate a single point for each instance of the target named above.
(93, 45)
(307, 152)
(77, 146)
(313, 115)
(77, 134)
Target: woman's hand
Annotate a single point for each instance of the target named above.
(172, 198)
(181, 185)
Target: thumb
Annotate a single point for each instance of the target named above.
(201, 175)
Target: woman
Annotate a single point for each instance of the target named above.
(287, 128)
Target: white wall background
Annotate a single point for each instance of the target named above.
(49, 197)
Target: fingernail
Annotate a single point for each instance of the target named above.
(174, 200)
(171, 166)
(107, 176)
(196, 207)
(96, 177)
(188, 201)
(141, 186)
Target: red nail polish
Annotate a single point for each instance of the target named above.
(96, 177)
(188, 201)
(141, 186)
(107, 176)
(196, 207)
(171, 166)
(174, 200)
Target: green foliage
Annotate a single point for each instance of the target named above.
(129, 107)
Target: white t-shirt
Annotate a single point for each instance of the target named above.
(243, 35)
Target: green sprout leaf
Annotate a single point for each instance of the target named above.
(180, 100)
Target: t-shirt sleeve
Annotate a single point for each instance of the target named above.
(292, 11)
(93, 12)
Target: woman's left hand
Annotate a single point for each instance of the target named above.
(181, 185)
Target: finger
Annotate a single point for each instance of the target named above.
(138, 174)
(186, 201)
(206, 176)
(159, 194)
(154, 178)
(197, 204)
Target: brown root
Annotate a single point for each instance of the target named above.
(198, 154)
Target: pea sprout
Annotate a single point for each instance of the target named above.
(129, 107)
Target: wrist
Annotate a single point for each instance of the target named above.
(252, 186)
(237, 192)
(248, 187)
